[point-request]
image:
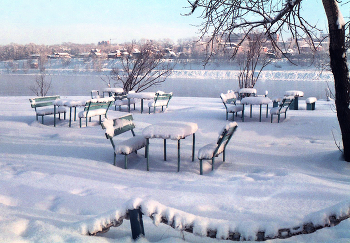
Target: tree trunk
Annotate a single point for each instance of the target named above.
(340, 71)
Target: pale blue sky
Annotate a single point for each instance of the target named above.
(90, 21)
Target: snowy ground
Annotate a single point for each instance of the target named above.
(57, 181)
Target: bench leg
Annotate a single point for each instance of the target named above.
(125, 162)
(149, 110)
(212, 163)
(233, 116)
(42, 119)
(114, 155)
(80, 121)
(279, 116)
(201, 167)
(223, 155)
(226, 115)
(271, 118)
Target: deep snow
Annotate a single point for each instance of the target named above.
(58, 182)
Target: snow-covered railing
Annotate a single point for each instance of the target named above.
(214, 228)
(285, 75)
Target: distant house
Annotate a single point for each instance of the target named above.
(95, 53)
(114, 54)
(59, 55)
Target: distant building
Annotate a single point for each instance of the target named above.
(59, 55)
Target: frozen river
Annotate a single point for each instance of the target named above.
(185, 83)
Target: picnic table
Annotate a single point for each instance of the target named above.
(142, 96)
(112, 91)
(246, 92)
(68, 103)
(255, 100)
(170, 130)
(296, 94)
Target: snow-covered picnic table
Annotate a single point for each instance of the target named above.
(170, 130)
(255, 100)
(247, 92)
(296, 94)
(142, 96)
(112, 91)
(68, 103)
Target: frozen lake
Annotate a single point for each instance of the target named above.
(183, 83)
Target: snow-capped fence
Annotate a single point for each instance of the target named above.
(285, 75)
(213, 228)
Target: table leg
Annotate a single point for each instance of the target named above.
(243, 114)
(141, 106)
(75, 113)
(251, 111)
(147, 152)
(260, 113)
(164, 149)
(70, 116)
(267, 110)
(128, 104)
(54, 115)
(178, 155)
(193, 145)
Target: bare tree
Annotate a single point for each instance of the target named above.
(275, 17)
(141, 68)
(253, 55)
(41, 86)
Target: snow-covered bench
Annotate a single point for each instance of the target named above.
(160, 99)
(118, 126)
(229, 100)
(95, 107)
(311, 103)
(47, 103)
(210, 151)
(282, 107)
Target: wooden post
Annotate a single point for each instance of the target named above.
(136, 223)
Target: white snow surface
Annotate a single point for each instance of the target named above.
(311, 100)
(255, 100)
(170, 130)
(69, 102)
(294, 93)
(58, 183)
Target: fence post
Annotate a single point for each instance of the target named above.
(136, 223)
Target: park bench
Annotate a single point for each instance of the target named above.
(229, 100)
(44, 106)
(118, 126)
(160, 99)
(95, 107)
(210, 151)
(282, 107)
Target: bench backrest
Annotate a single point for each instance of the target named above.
(95, 104)
(43, 101)
(159, 96)
(118, 126)
(286, 102)
(228, 98)
(225, 136)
